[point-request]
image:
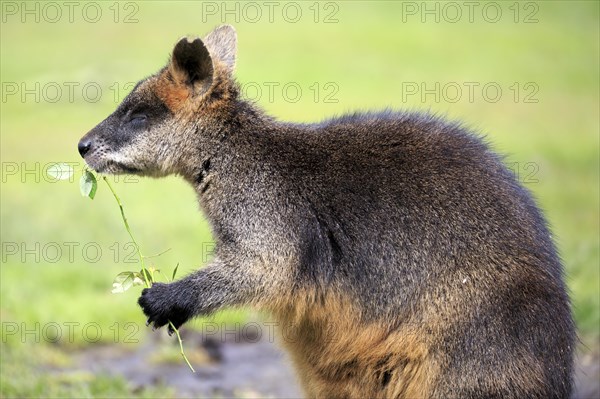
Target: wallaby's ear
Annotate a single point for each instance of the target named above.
(222, 44)
(191, 65)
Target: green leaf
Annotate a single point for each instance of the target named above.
(175, 271)
(147, 275)
(60, 171)
(138, 279)
(88, 184)
(123, 282)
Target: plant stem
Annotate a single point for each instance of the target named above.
(158, 254)
(181, 347)
(148, 279)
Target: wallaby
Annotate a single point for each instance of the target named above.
(408, 258)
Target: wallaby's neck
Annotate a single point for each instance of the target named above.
(237, 123)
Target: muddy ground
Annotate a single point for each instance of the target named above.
(239, 367)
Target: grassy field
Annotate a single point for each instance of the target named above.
(529, 81)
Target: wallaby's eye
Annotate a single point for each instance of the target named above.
(137, 119)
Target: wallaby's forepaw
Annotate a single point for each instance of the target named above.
(162, 304)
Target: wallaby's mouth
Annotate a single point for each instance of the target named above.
(112, 167)
(124, 168)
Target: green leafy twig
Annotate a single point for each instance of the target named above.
(147, 277)
(181, 347)
(88, 184)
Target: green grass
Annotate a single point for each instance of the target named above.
(369, 54)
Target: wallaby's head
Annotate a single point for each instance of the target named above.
(161, 124)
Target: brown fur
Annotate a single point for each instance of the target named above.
(173, 94)
(338, 355)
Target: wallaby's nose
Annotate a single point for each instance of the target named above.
(84, 146)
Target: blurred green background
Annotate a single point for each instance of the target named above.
(527, 78)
